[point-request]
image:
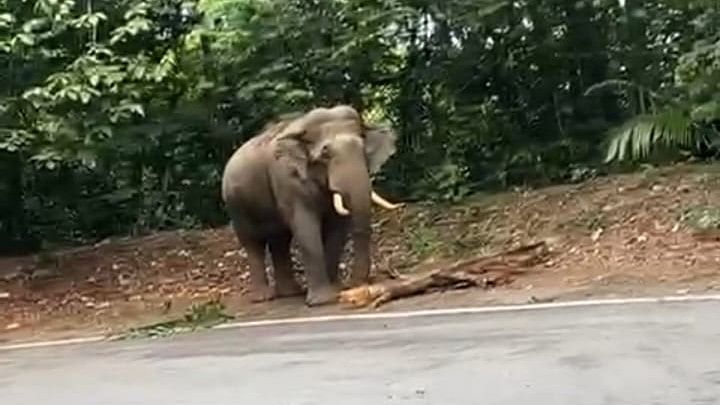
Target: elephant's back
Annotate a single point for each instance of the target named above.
(245, 173)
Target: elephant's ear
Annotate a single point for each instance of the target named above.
(379, 145)
(290, 147)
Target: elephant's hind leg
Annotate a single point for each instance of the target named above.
(259, 287)
(285, 283)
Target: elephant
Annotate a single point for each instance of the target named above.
(307, 177)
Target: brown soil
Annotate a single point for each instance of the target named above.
(634, 234)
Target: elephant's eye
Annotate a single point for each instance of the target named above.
(325, 152)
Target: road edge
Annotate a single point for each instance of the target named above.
(401, 314)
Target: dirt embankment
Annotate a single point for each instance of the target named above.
(640, 233)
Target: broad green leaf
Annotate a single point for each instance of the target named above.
(25, 39)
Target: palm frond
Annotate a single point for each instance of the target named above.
(637, 138)
(675, 128)
(614, 84)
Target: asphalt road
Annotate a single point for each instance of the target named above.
(637, 354)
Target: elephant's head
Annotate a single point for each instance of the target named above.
(341, 152)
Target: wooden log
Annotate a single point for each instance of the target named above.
(481, 271)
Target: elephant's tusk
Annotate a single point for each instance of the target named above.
(377, 199)
(339, 206)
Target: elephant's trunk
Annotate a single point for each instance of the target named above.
(350, 184)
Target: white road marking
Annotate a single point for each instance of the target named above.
(62, 342)
(406, 314)
(469, 310)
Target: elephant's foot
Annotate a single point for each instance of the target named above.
(261, 294)
(287, 287)
(322, 296)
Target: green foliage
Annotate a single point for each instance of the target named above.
(702, 218)
(423, 241)
(637, 137)
(682, 111)
(117, 117)
(88, 120)
(197, 316)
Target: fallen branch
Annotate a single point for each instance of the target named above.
(483, 271)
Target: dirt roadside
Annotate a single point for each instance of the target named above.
(648, 233)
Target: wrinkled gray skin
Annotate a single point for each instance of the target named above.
(280, 185)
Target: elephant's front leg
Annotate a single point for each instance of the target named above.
(334, 238)
(307, 230)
